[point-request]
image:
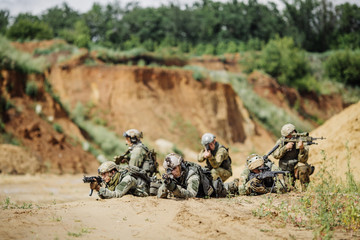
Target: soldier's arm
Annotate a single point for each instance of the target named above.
(303, 155)
(243, 179)
(137, 157)
(220, 156)
(120, 190)
(191, 190)
(280, 151)
(200, 156)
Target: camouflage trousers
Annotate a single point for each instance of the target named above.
(220, 172)
(302, 172)
(128, 184)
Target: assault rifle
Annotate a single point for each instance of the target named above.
(168, 177)
(271, 174)
(296, 137)
(91, 179)
(122, 158)
(266, 156)
(304, 137)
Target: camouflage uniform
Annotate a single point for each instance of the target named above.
(219, 163)
(293, 160)
(250, 184)
(124, 183)
(137, 156)
(187, 185)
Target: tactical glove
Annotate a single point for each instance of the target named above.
(171, 185)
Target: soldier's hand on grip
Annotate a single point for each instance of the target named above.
(94, 186)
(171, 185)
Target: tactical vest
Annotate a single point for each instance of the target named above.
(226, 164)
(208, 187)
(290, 159)
(149, 164)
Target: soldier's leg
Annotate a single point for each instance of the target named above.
(127, 183)
(280, 185)
(255, 186)
(302, 172)
(220, 172)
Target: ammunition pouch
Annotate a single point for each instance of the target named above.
(288, 165)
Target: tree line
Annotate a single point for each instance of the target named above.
(315, 25)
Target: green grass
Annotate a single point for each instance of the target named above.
(7, 204)
(110, 144)
(328, 205)
(13, 59)
(271, 116)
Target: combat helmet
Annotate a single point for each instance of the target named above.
(207, 138)
(172, 160)
(106, 167)
(133, 134)
(254, 161)
(287, 129)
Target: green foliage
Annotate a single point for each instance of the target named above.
(31, 89)
(199, 73)
(7, 204)
(283, 60)
(326, 206)
(58, 128)
(107, 140)
(4, 21)
(344, 66)
(26, 29)
(12, 59)
(271, 116)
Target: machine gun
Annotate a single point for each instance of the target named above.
(263, 175)
(91, 179)
(304, 137)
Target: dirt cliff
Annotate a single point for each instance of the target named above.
(163, 103)
(52, 140)
(342, 133)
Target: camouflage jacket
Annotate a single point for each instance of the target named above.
(283, 154)
(219, 158)
(123, 183)
(245, 176)
(187, 185)
(137, 155)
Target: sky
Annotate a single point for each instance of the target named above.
(38, 6)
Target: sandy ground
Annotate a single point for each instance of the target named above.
(62, 209)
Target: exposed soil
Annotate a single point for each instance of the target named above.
(163, 103)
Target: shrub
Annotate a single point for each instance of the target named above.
(31, 89)
(283, 60)
(12, 59)
(344, 66)
(58, 128)
(25, 29)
